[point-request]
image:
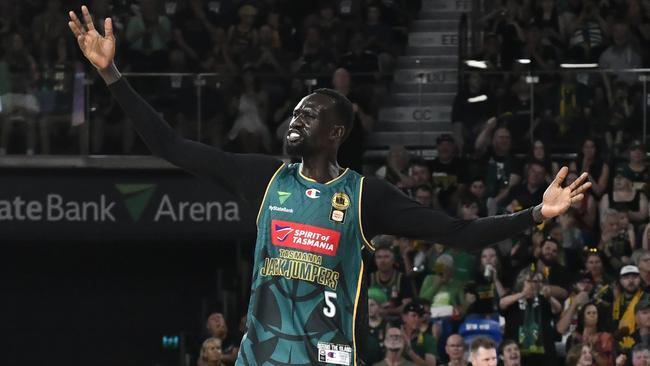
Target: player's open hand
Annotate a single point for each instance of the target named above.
(98, 49)
(558, 199)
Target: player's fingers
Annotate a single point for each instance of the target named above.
(559, 178)
(579, 181)
(87, 18)
(577, 198)
(581, 189)
(77, 23)
(108, 28)
(73, 29)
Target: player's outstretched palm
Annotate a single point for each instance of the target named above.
(558, 199)
(98, 49)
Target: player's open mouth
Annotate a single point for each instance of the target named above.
(293, 136)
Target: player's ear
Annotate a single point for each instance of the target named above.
(337, 133)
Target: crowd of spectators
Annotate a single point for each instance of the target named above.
(538, 37)
(265, 54)
(571, 288)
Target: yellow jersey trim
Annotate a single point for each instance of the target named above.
(366, 242)
(354, 315)
(268, 185)
(314, 181)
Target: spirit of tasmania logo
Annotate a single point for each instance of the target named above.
(306, 237)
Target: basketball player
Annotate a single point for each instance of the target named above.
(314, 219)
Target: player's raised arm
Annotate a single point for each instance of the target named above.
(160, 138)
(388, 211)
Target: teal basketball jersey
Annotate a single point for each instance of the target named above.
(308, 272)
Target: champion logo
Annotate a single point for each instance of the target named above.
(312, 193)
(283, 231)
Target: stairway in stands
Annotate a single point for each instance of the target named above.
(425, 80)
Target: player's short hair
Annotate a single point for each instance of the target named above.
(342, 108)
(481, 342)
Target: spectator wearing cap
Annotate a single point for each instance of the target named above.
(396, 346)
(636, 168)
(623, 197)
(448, 172)
(377, 324)
(629, 295)
(483, 352)
(376, 321)
(420, 347)
(455, 350)
(510, 355)
(641, 259)
(555, 274)
(529, 311)
(442, 289)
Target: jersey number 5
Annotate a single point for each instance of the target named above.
(330, 307)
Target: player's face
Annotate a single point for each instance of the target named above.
(485, 357)
(309, 130)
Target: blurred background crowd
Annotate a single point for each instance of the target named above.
(572, 290)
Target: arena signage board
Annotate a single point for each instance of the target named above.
(64, 205)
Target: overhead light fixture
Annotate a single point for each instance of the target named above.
(476, 64)
(579, 66)
(477, 99)
(524, 61)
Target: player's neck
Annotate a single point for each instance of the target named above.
(320, 168)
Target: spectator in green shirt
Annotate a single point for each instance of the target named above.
(443, 290)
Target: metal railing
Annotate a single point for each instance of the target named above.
(636, 86)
